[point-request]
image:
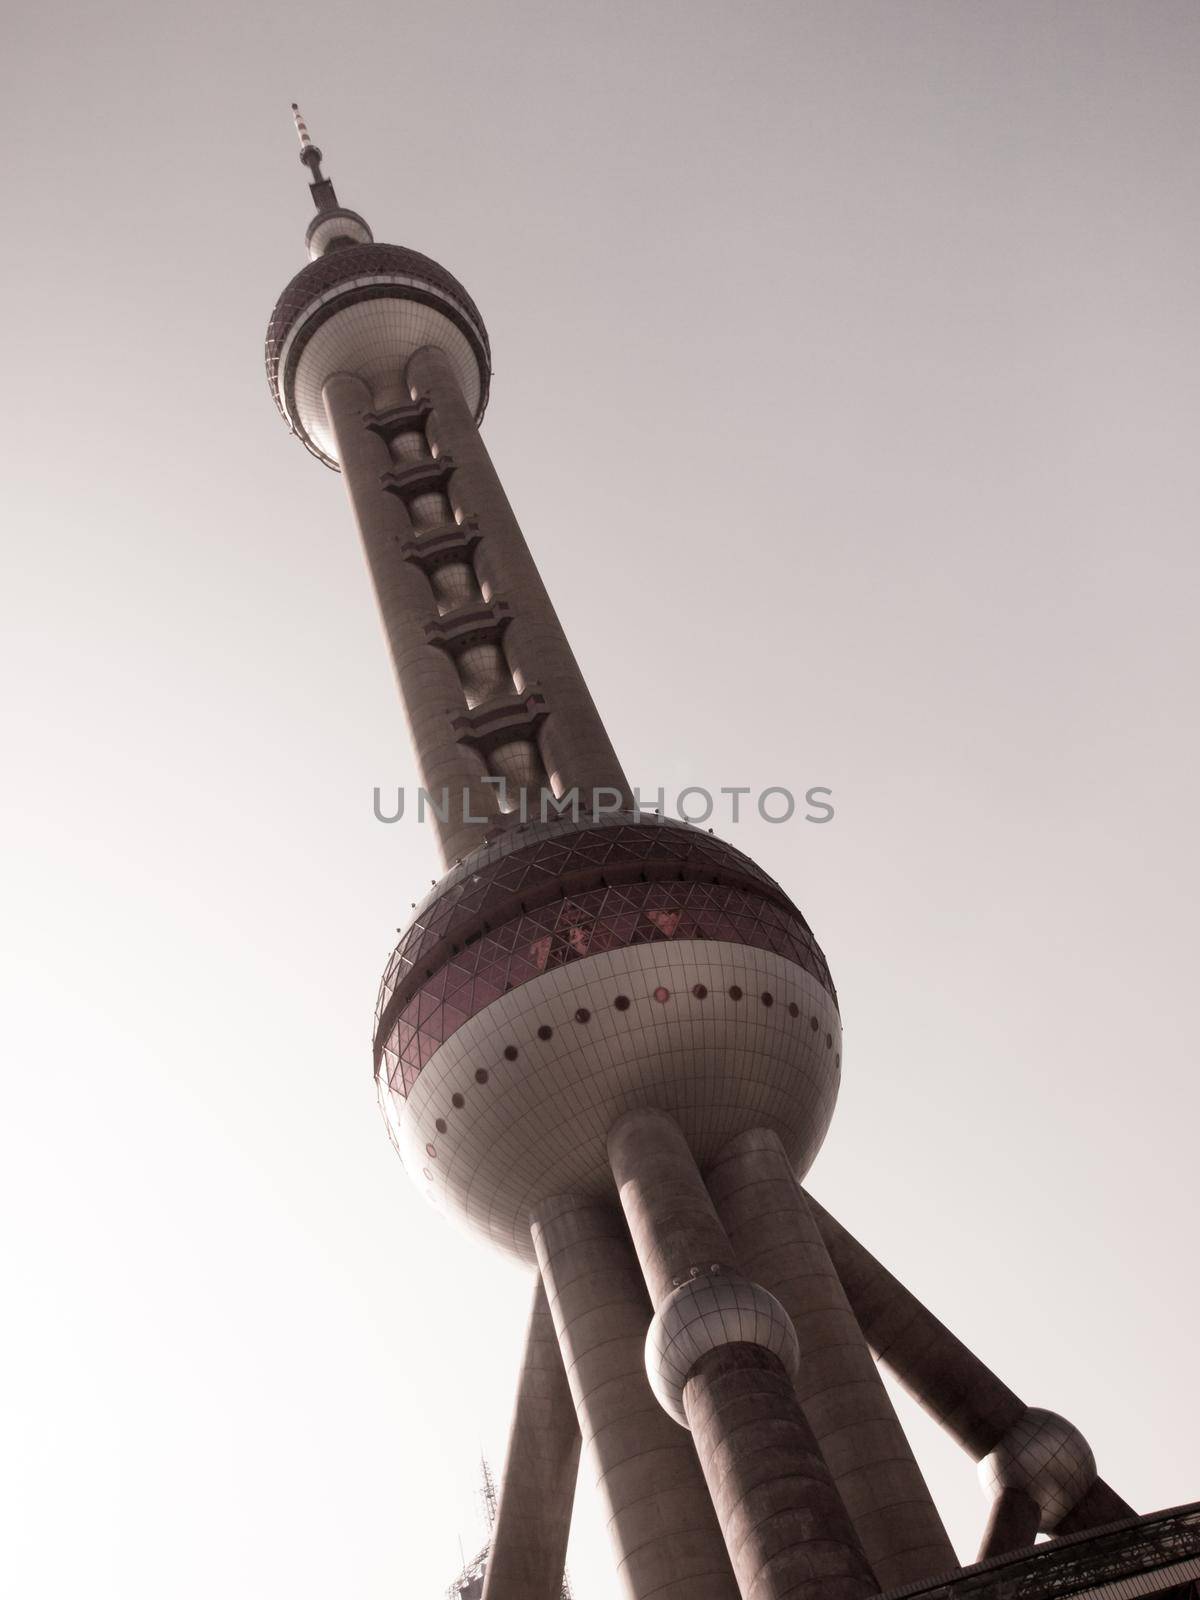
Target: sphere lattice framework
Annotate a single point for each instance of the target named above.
(366, 308)
(1047, 1458)
(570, 972)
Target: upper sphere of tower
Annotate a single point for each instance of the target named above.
(366, 308)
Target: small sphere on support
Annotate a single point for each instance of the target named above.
(1045, 1457)
(710, 1310)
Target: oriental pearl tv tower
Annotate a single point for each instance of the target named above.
(611, 1045)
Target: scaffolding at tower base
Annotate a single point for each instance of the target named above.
(468, 1585)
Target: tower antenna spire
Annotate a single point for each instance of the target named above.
(311, 156)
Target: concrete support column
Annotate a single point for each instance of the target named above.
(720, 1346)
(670, 1213)
(665, 1535)
(430, 689)
(1098, 1507)
(948, 1380)
(576, 749)
(777, 1243)
(785, 1526)
(533, 1521)
(1012, 1524)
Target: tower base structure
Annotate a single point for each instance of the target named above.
(741, 1441)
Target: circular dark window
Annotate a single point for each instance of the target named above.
(622, 1002)
(767, 998)
(510, 1052)
(700, 990)
(583, 1015)
(481, 1074)
(457, 1101)
(545, 1031)
(441, 1124)
(735, 992)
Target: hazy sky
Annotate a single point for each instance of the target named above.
(846, 385)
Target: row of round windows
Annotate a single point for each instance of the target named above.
(621, 1002)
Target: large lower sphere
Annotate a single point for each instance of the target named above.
(639, 1002)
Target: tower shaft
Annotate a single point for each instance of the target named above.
(430, 687)
(496, 703)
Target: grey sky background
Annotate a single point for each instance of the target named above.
(846, 385)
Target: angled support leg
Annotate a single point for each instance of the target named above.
(528, 1549)
(1018, 1446)
(1012, 1523)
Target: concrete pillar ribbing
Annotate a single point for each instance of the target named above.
(664, 1532)
(576, 749)
(430, 689)
(936, 1368)
(785, 1527)
(533, 1521)
(777, 1243)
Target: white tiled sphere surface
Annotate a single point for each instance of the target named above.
(537, 1125)
(374, 339)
